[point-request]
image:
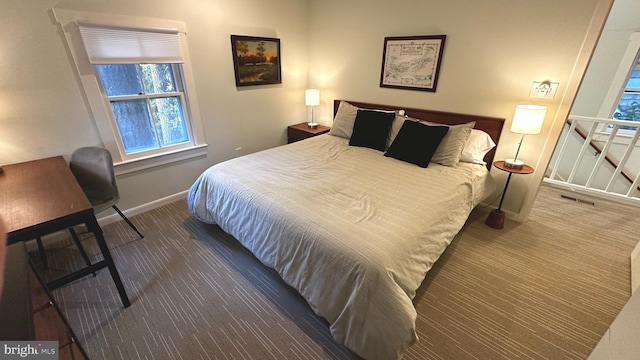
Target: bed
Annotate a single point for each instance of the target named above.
(352, 230)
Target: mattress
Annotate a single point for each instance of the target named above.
(352, 231)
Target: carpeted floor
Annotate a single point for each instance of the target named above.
(545, 289)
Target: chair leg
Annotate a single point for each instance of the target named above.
(128, 221)
(43, 255)
(80, 247)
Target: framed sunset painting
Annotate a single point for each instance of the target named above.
(256, 60)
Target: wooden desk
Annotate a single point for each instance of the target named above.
(41, 197)
(16, 318)
(29, 313)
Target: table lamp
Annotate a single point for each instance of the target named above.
(311, 99)
(527, 120)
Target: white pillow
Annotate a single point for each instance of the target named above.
(450, 149)
(477, 146)
(396, 126)
(343, 122)
(345, 118)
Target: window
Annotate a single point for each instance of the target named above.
(623, 99)
(628, 107)
(147, 105)
(137, 79)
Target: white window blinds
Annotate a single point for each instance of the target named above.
(114, 45)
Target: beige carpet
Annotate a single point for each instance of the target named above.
(545, 289)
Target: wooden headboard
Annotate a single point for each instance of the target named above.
(490, 125)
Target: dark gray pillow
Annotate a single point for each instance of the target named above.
(416, 143)
(371, 129)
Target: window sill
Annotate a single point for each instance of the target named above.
(130, 166)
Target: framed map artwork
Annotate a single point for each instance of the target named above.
(412, 62)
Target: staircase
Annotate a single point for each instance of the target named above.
(598, 157)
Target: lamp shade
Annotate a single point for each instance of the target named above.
(528, 119)
(312, 97)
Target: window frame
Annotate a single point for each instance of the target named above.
(617, 88)
(99, 104)
(180, 93)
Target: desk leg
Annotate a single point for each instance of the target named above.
(496, 217)
(93, 226)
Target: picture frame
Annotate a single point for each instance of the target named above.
(256, 60)
(412, 62)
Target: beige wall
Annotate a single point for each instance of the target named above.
(43, 111)
(494, 50)
(611, 48)
(613, 42)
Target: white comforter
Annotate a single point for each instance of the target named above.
(353, 231)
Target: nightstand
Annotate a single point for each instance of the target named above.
(302, 131)
(496, 217)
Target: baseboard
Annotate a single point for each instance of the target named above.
(106, 220)
(109, 219)
(635, 268)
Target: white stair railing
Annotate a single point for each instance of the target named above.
(597, 160)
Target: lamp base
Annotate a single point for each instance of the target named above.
(312, 125)
(514, 164)
(495, 219)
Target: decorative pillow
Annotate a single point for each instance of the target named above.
(345, 117)
(343, 122)
(476, 147)
(396, 126)
(371, 129)
(450, 149)
(416, 142)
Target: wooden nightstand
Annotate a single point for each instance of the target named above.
(496, 217)
(302, 131)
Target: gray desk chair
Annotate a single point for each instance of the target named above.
(93, 169)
